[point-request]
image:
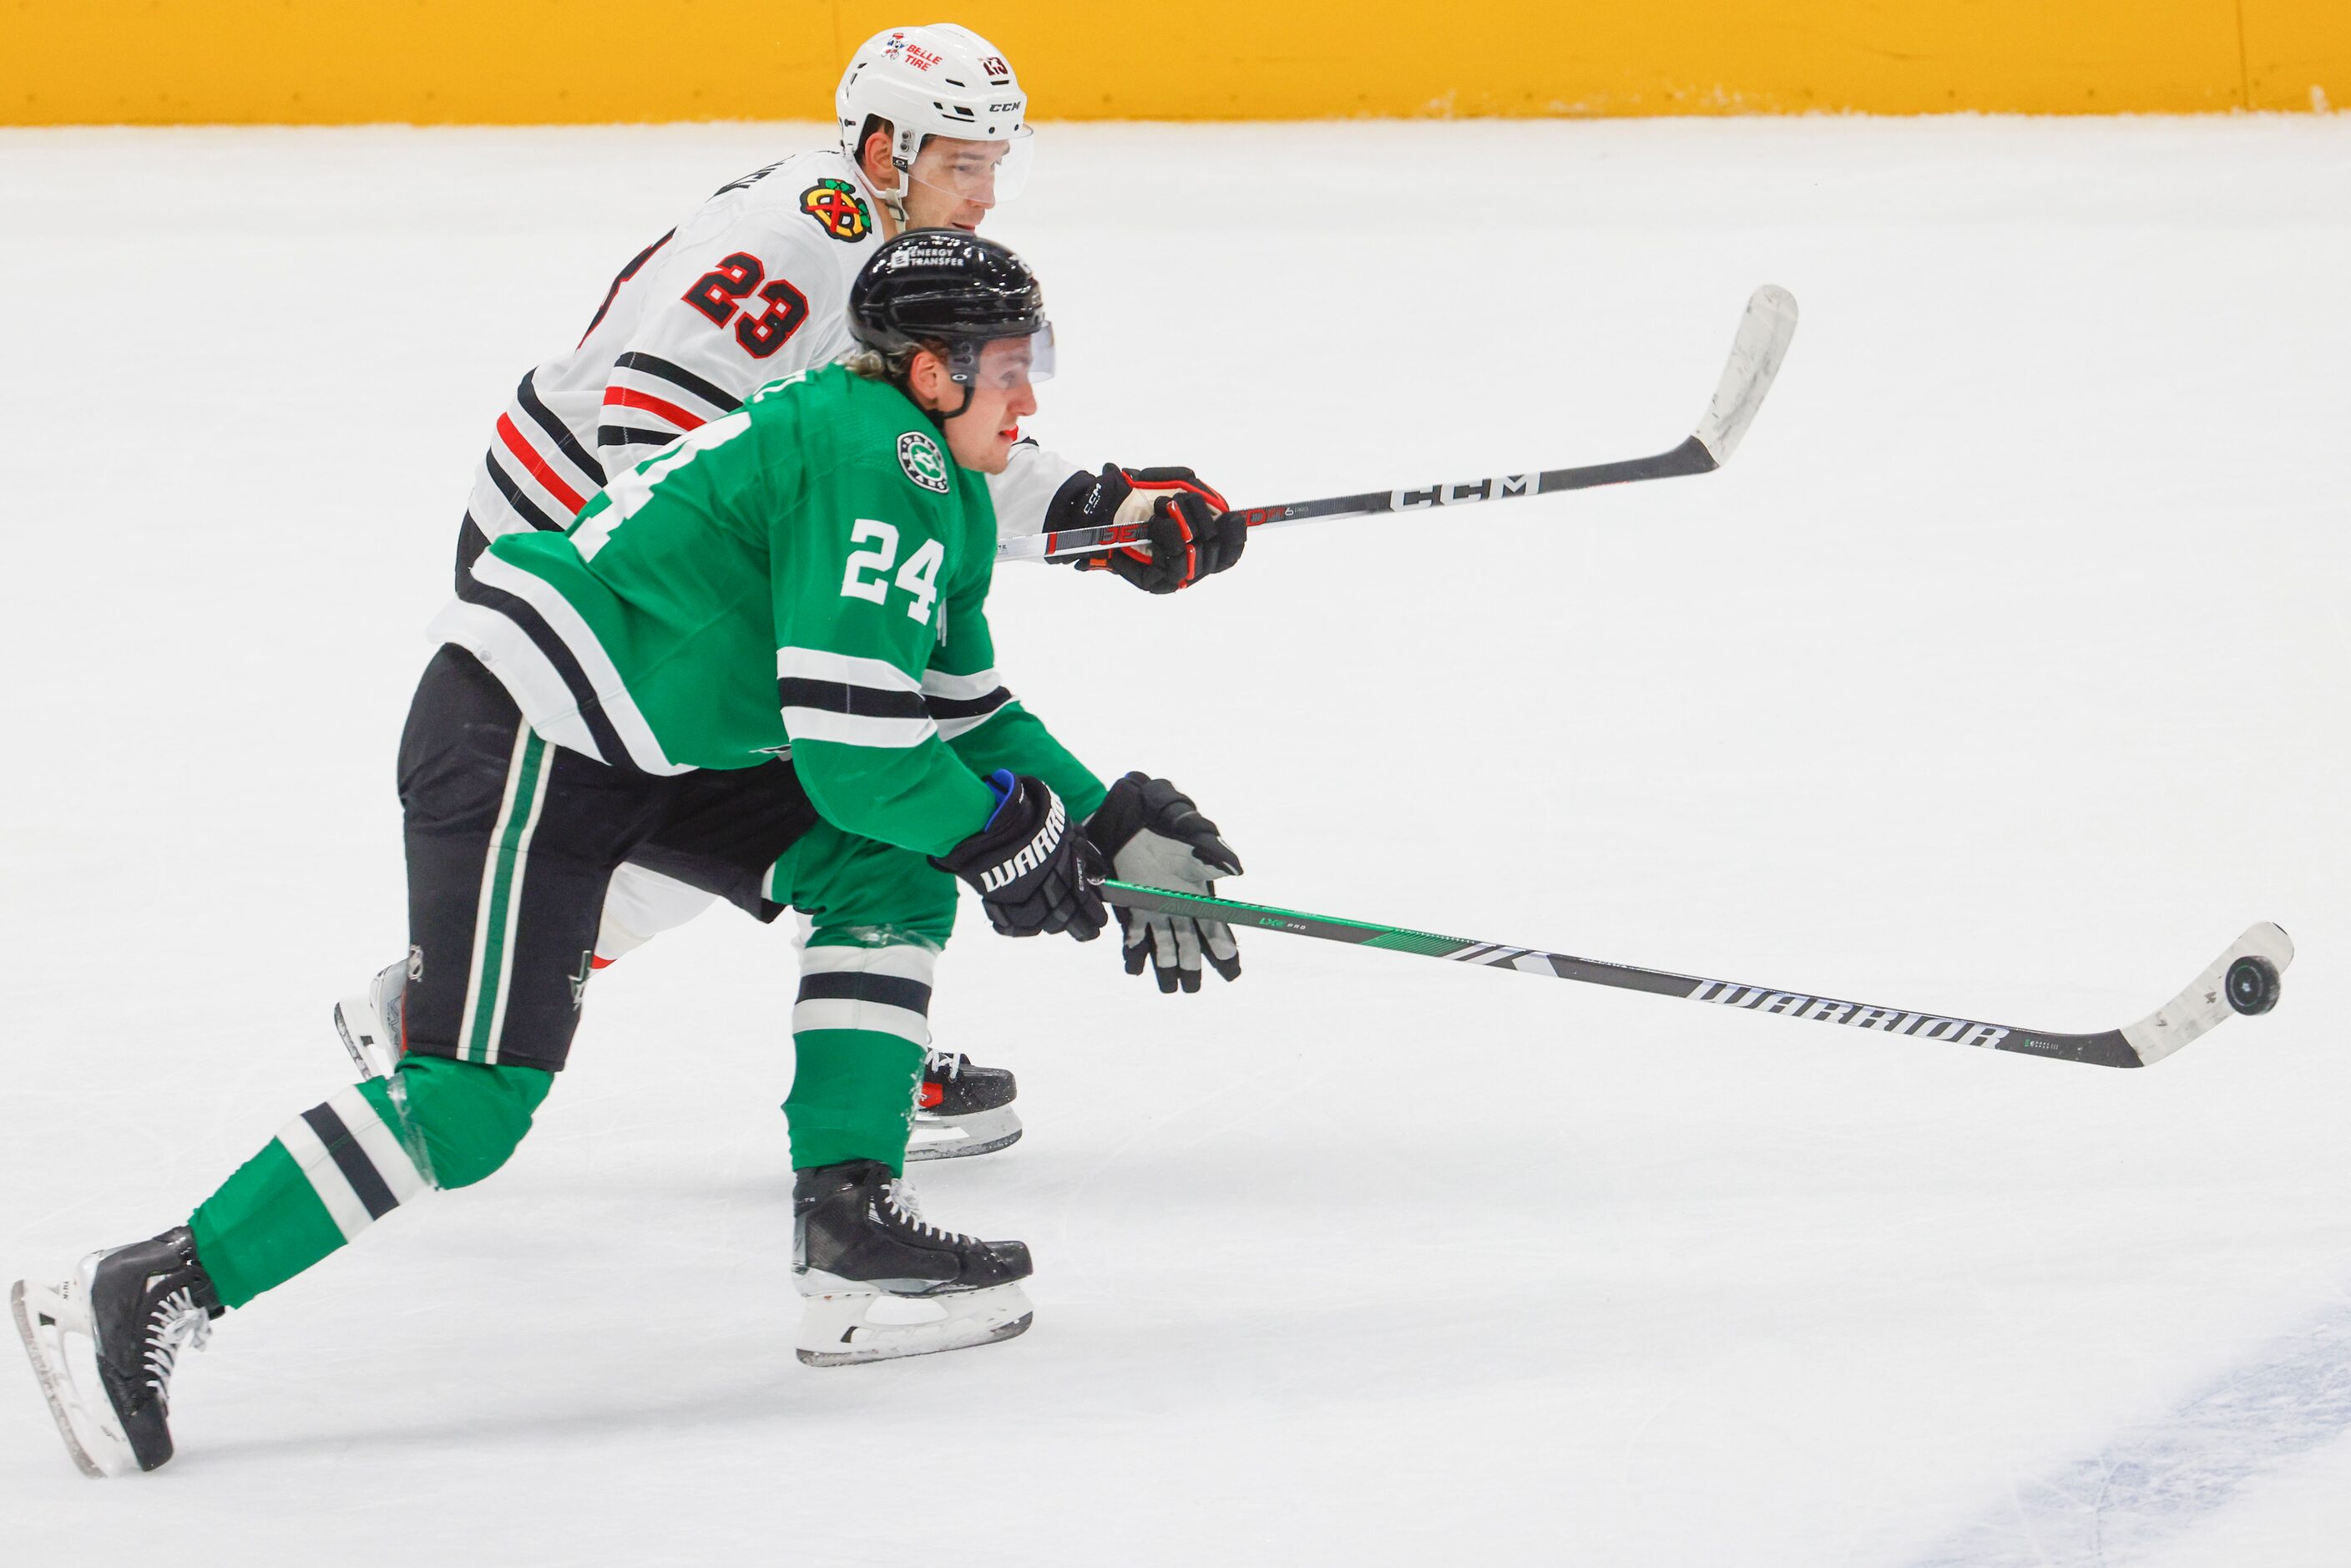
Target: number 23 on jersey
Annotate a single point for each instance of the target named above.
(867, 575)
(761, 328)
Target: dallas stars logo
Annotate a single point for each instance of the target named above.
(920, 457)
(835, 204)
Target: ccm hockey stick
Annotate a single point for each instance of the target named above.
(2243, 979)
(1764, 333)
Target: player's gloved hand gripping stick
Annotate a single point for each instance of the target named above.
(1764, 333)
(1035, 871)
(2245, 979)
(1187, 531)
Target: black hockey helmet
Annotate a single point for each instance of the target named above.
(945, 288)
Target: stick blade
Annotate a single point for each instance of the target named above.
(1764, 333)
(2205, 1004)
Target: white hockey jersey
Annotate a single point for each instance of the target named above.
(753, 286)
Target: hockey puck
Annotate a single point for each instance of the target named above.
(2252, 985)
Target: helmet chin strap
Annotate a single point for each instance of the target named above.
(964, 356)
(940, 416)
(904, 150)
(893, 201)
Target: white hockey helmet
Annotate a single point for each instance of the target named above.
(937, 81)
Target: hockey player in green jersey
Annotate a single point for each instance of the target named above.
(762, 658)
(750, 286)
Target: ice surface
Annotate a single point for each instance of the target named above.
(2002, 673)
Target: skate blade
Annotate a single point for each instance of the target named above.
(43, 1320)
(369, 1051)
(960, 1137)
(849, 1329)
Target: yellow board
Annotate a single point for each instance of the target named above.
(2298, 55)
(556, 61)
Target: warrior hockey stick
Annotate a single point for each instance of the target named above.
(1755, 353)
(2243, 979)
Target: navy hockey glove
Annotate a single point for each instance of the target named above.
(1191, 532)
(1155, 837)
(1035, 873)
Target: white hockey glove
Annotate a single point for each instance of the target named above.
(1155, 837)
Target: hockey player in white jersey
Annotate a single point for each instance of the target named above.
(753, 286)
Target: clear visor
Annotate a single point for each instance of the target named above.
(1005, 363)
(986, 172)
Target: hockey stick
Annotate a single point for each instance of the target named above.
(1755, 354)
(2243, 979)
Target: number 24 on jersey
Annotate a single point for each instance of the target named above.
(867, 575)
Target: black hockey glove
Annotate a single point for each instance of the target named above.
(1035, 873)
(1190, 531)
(1155, 837)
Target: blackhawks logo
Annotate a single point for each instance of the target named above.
(920, 457)
(836, 204)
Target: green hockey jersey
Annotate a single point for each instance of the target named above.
(806, 578)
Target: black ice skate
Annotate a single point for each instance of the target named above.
(881, 1283)
(122, 1318)
(962, 1108)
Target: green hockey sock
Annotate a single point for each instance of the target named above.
(328, 1175)
(853, 1096)
(339, 1167)
(860, 1026)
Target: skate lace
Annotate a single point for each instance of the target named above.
(175, 1322)
(947, 1065)
(908, 1209)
